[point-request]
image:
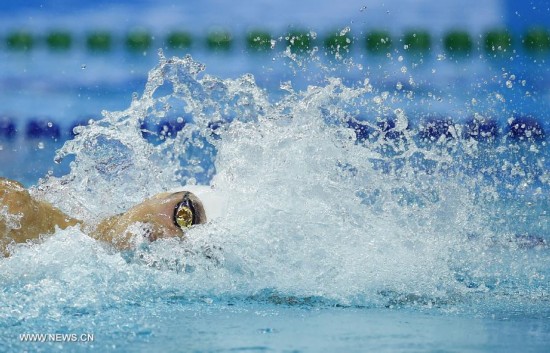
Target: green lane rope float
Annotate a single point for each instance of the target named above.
(100, 41)
(378, 42)
(138, 41)
(298, 41)
(417, 41)
(219, 40)
(537, 40)
(179, 40)
(259, 40)
(339, 42)
(20, 40)
(498, 41)
(458, 42)
(59, 40)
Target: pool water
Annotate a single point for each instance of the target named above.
(389, 203)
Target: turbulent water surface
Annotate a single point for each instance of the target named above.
(339, 196)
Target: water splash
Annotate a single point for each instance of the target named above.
(332, 194)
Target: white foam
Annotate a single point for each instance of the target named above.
(298, 206)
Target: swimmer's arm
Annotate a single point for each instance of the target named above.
(115, 231)
(24, 218)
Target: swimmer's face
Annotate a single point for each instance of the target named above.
(165, 215)
(169, 214)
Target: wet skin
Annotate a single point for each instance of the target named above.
(24, 218)
(153, 219)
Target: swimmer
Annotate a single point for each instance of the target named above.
(165, 215)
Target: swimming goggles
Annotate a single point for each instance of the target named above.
(184, 214)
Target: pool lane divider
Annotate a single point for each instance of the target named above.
(533, 40)
(430, 129)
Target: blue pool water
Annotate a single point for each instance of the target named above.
(389, 203)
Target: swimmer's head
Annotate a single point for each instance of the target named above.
(166, 215)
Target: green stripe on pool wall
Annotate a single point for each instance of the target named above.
(259, 40)
(139, 40)
(458, 42)
(59, 40)
(99, 41)
(20, 40)
(338, 42)
(537, 40)
(378, 42)
(179, 40)
(219, 40)
(417, 41)
(498, 41)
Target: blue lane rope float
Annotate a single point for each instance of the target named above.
(8, 129)
(525, 128)
(481, 128)
(433, 128)
(362, 131)
(42, 128)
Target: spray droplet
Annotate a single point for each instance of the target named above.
(401, 121)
